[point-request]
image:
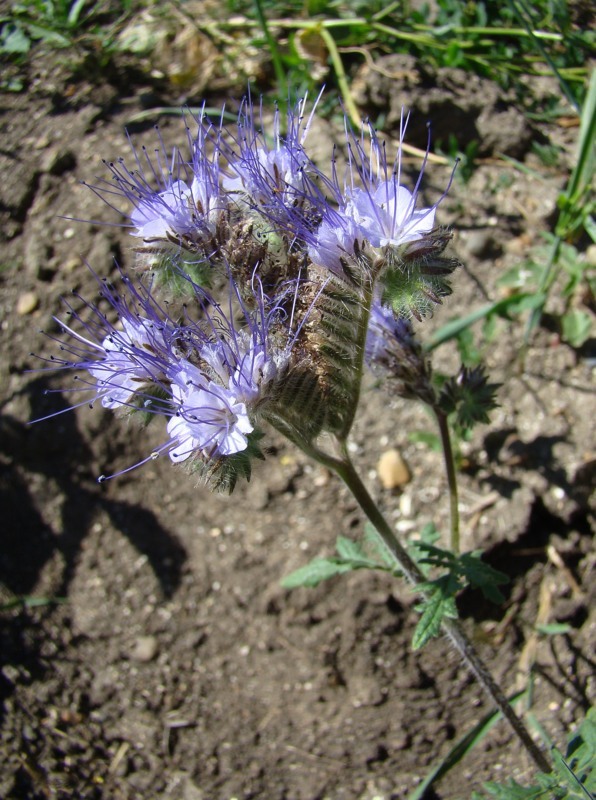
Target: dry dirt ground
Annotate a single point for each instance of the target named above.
(174, 665)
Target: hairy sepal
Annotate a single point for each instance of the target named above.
(416, 276)
(468, 398)
(221, 473)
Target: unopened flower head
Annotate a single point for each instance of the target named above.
(393, 351)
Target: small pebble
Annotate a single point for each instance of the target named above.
(405, 505)
(27, 303)
(322, 477)
(70, 266)
(145, 649)
(393, 470)
(519, 245)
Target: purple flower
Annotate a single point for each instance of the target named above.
(214, 403)
(246, 369)
(117, 363)
(284, 345)
(371, 208)
(131, 358)
(179, 211)
(209, 375)
(334, 242)
(387, 215)
(171, 198)
(218, 394)
(270, 173)
(209, 419)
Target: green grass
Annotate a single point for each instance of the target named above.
(61, 24)
(501, 41)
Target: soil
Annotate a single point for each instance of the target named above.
(147, 647)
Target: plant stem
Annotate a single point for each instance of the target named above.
(451, 478)
(452, 628)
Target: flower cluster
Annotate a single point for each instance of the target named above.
(312, 274)
(208, 376)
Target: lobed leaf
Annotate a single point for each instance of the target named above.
(440, 604)
(314, 573)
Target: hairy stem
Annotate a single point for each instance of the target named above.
(452, 628)
(451, 478)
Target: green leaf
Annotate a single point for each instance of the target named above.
(351, 556)
(464, 569)
(489, 328)
(13, 39)
(438, 556)
(431, 440)
(573, 777)
(29, 601)
(314, 573)
(568, 777)
(553, 628)
(482, 576)
(518, 303)
(418, 548)
(522, 276)
(468, 351)
(75, 13)
(349, 550)
(576, 327)
(581, 751)
(512, 790)
(504, 308)
(47, 35)
(434, 609)
(377, 544)
(575, 204)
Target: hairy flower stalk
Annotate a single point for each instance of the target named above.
(311, 277)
